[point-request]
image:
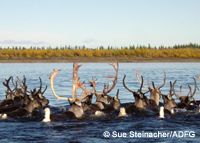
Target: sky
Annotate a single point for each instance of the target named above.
(95, 23)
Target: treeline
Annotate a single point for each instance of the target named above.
(66, 52)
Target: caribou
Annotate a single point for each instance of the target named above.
(20, 102)
(186, 101)
(168, 101)
(79, 105)
(142, 103)
(82, 106)
(141, 100)
(76, 106)
(155, 92)
(103, 100)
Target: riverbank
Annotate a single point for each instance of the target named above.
(100, 60)
(182, 53)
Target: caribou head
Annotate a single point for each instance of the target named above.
(33, 99)
(38, 95)
(20, 88)
(155, 92)
(23, 102)
(169, 102)
(103, 100)
(186, 99)
(141, 101)
(77, 102)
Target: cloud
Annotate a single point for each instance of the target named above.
(90, 41)
(23, 42)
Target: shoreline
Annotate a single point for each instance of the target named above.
(101, 60)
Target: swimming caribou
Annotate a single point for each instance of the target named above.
(21, 102)
(141, 100)
(82, 105)
(103, 99)
(186, 101)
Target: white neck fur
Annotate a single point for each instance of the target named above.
(3, 116)
(172, 111)
(199, 108)
(99, 113)
(47, 113)
(122, 112)
(161, 113)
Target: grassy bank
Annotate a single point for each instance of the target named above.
(100, 60)
(178, 53)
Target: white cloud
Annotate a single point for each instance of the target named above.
(23, 42)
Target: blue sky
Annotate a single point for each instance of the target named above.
(99, 22)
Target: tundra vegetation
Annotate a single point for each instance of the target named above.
(189, 51)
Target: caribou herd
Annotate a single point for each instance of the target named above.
(21, 102)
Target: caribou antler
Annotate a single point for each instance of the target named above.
(173, 87)
(190, 90)
(93, 83)
(53, 74)
(138, 75)
(85, 92)
(15, 84)
(181, 88)
(124, 84)
(140, 89)
(190, 93)
(164, 81)
(6, 83)
(142, 82)
(140, 79)
(78, 84)
(170, 91)
(22, 83)
(195, 88)
(114, 81)
(117, 94)
(40, 88)
(76, 67)
(24, 86)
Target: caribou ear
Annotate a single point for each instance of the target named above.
(70, 101)
(150, 89)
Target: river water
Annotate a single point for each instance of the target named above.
(92, 130)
